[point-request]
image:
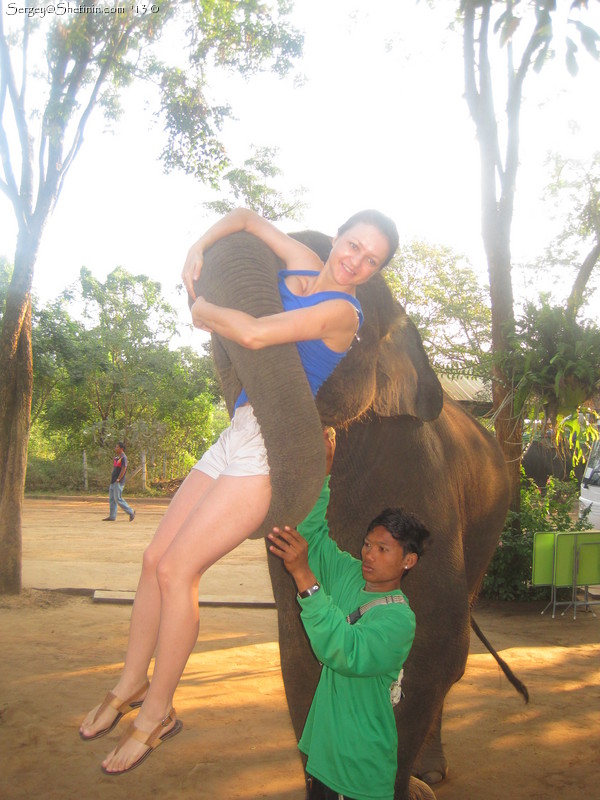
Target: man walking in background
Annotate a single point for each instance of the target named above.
(117, 481)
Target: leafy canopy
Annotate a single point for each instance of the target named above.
(55, 71)
(441, 293)
(555, 361)
(111, 374)
(250, 186)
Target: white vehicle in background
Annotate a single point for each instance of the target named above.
(590, 487)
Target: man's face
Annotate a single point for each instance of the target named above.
(118, 449)
(384, 561)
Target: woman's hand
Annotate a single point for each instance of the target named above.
(192, 268)
(293, 253)
(199, 310)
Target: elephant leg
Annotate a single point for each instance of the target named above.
(299, 667)
(437, 660)
(431, 765)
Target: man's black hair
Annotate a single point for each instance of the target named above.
(404, 527)
(121, 445)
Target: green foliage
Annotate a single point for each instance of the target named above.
(524, 31)
(578, 432)
(509, 21)
(249, 186)
(508, 576)
(579, 183)
(555, 361)
(570, 260)
(440, 292)
(193, 127)
(111, 375)
(91, 58)
(55, 343)
(245, 35)
(6, 272)
(53, 466)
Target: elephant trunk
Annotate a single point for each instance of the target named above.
(241, 272)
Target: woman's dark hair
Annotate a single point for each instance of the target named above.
(384, 224)
(404, 527)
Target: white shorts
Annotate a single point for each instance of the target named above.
(239, 451)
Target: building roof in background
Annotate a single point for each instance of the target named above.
(466, 390)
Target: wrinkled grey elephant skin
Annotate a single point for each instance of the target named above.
(399, 443)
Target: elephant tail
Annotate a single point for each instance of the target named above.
(519, 685)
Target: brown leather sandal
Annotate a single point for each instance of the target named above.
(121, 706)
(151, 740)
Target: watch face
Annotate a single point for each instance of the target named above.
(310, 591)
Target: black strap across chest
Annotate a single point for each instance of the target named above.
(378, 601)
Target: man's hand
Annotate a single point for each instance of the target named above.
(292, 549)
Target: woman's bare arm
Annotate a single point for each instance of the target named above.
(333, 321)
(294, 254)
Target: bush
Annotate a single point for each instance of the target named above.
(50, 475)
(508, 576)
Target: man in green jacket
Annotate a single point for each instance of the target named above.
(361, 629)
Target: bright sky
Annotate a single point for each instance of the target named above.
(378, 121)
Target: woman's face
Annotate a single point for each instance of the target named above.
(357, 254)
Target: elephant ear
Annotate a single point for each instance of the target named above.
(241, 272)
(406, 382)
(386, 371)
(318, 242)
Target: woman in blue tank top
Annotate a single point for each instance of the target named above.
(226, 496)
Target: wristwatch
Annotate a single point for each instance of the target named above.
(310, 591)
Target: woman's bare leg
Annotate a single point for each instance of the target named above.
(226, 515)
(145, 616)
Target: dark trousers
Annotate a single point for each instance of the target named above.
(315, 790)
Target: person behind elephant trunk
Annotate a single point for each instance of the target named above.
(361, 630)
(227, 495)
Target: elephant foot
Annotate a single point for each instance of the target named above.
(432, 777)
(431, 767)
(417, 790)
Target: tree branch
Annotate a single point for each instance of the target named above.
(18, 106)
(585, 270)
(9, 185)
(513, 106)
(471, 93)
(481, 103)
(108, 61)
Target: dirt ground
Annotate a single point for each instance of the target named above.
(61, 652)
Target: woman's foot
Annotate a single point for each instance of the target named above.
(105, 717)
(139, 741)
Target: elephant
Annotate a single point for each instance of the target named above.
(543, 460)
(400, 442)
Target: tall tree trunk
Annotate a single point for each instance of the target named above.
(498, 181)
(508, 425)
(15, 410)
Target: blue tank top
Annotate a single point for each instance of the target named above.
(318, 360)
